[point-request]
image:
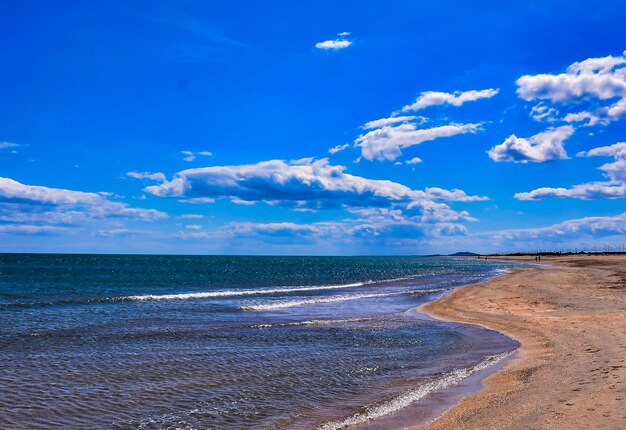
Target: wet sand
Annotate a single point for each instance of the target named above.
(570, 372)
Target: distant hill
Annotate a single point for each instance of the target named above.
(464, 254)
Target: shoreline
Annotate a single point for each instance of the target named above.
(436, 396)
(569, 372)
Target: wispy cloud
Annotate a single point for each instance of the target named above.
(338, 148)
(6, 145)
(10, 146)
(378, 123)
(191, 155)
(156, 176)
(457, 98)
(190, 216)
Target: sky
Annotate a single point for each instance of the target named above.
(318, 128)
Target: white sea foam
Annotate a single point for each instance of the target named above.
(235, 293)
(402, 401)
(332, 299)
(294, 303)
(313, 322)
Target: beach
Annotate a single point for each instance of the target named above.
(569, 314)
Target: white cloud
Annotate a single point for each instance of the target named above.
(588, 191)
(30, 229)
(386, 143)
(574, 229)
(122, 232)
(414, 160)
(191, 155)
(157, 176)
(6, 145)
(389, 121)
(185, 235)
(343, 34)
(613, 188)
(338, 148)
(545, 146)
(374, 228)
(333, 44)
(542, 113)
(435, 98)
(29, 205)
(309, 184)
(388, 136)
(615, 171)
(190, 216)
(596, 82)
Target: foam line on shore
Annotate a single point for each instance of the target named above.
(406, 399)
(235, 293)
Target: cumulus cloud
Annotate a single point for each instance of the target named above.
(340, 43)
(387, 142)
(457, 98)
(598, 85)
(310, 184)
(545, 146)
(32, 205)
(191, 155)
(613, 188)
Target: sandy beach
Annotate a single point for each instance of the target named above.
(570, 372)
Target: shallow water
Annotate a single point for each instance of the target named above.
(226, 342)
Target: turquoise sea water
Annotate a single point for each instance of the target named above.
(220, 342)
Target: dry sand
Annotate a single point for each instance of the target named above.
(570, 372)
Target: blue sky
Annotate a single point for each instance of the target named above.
(312, 127)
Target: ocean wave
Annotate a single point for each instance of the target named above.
(403, 400)
(236, 293)
(332, 299)
(294, 303)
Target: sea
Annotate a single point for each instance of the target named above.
(230, 342)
